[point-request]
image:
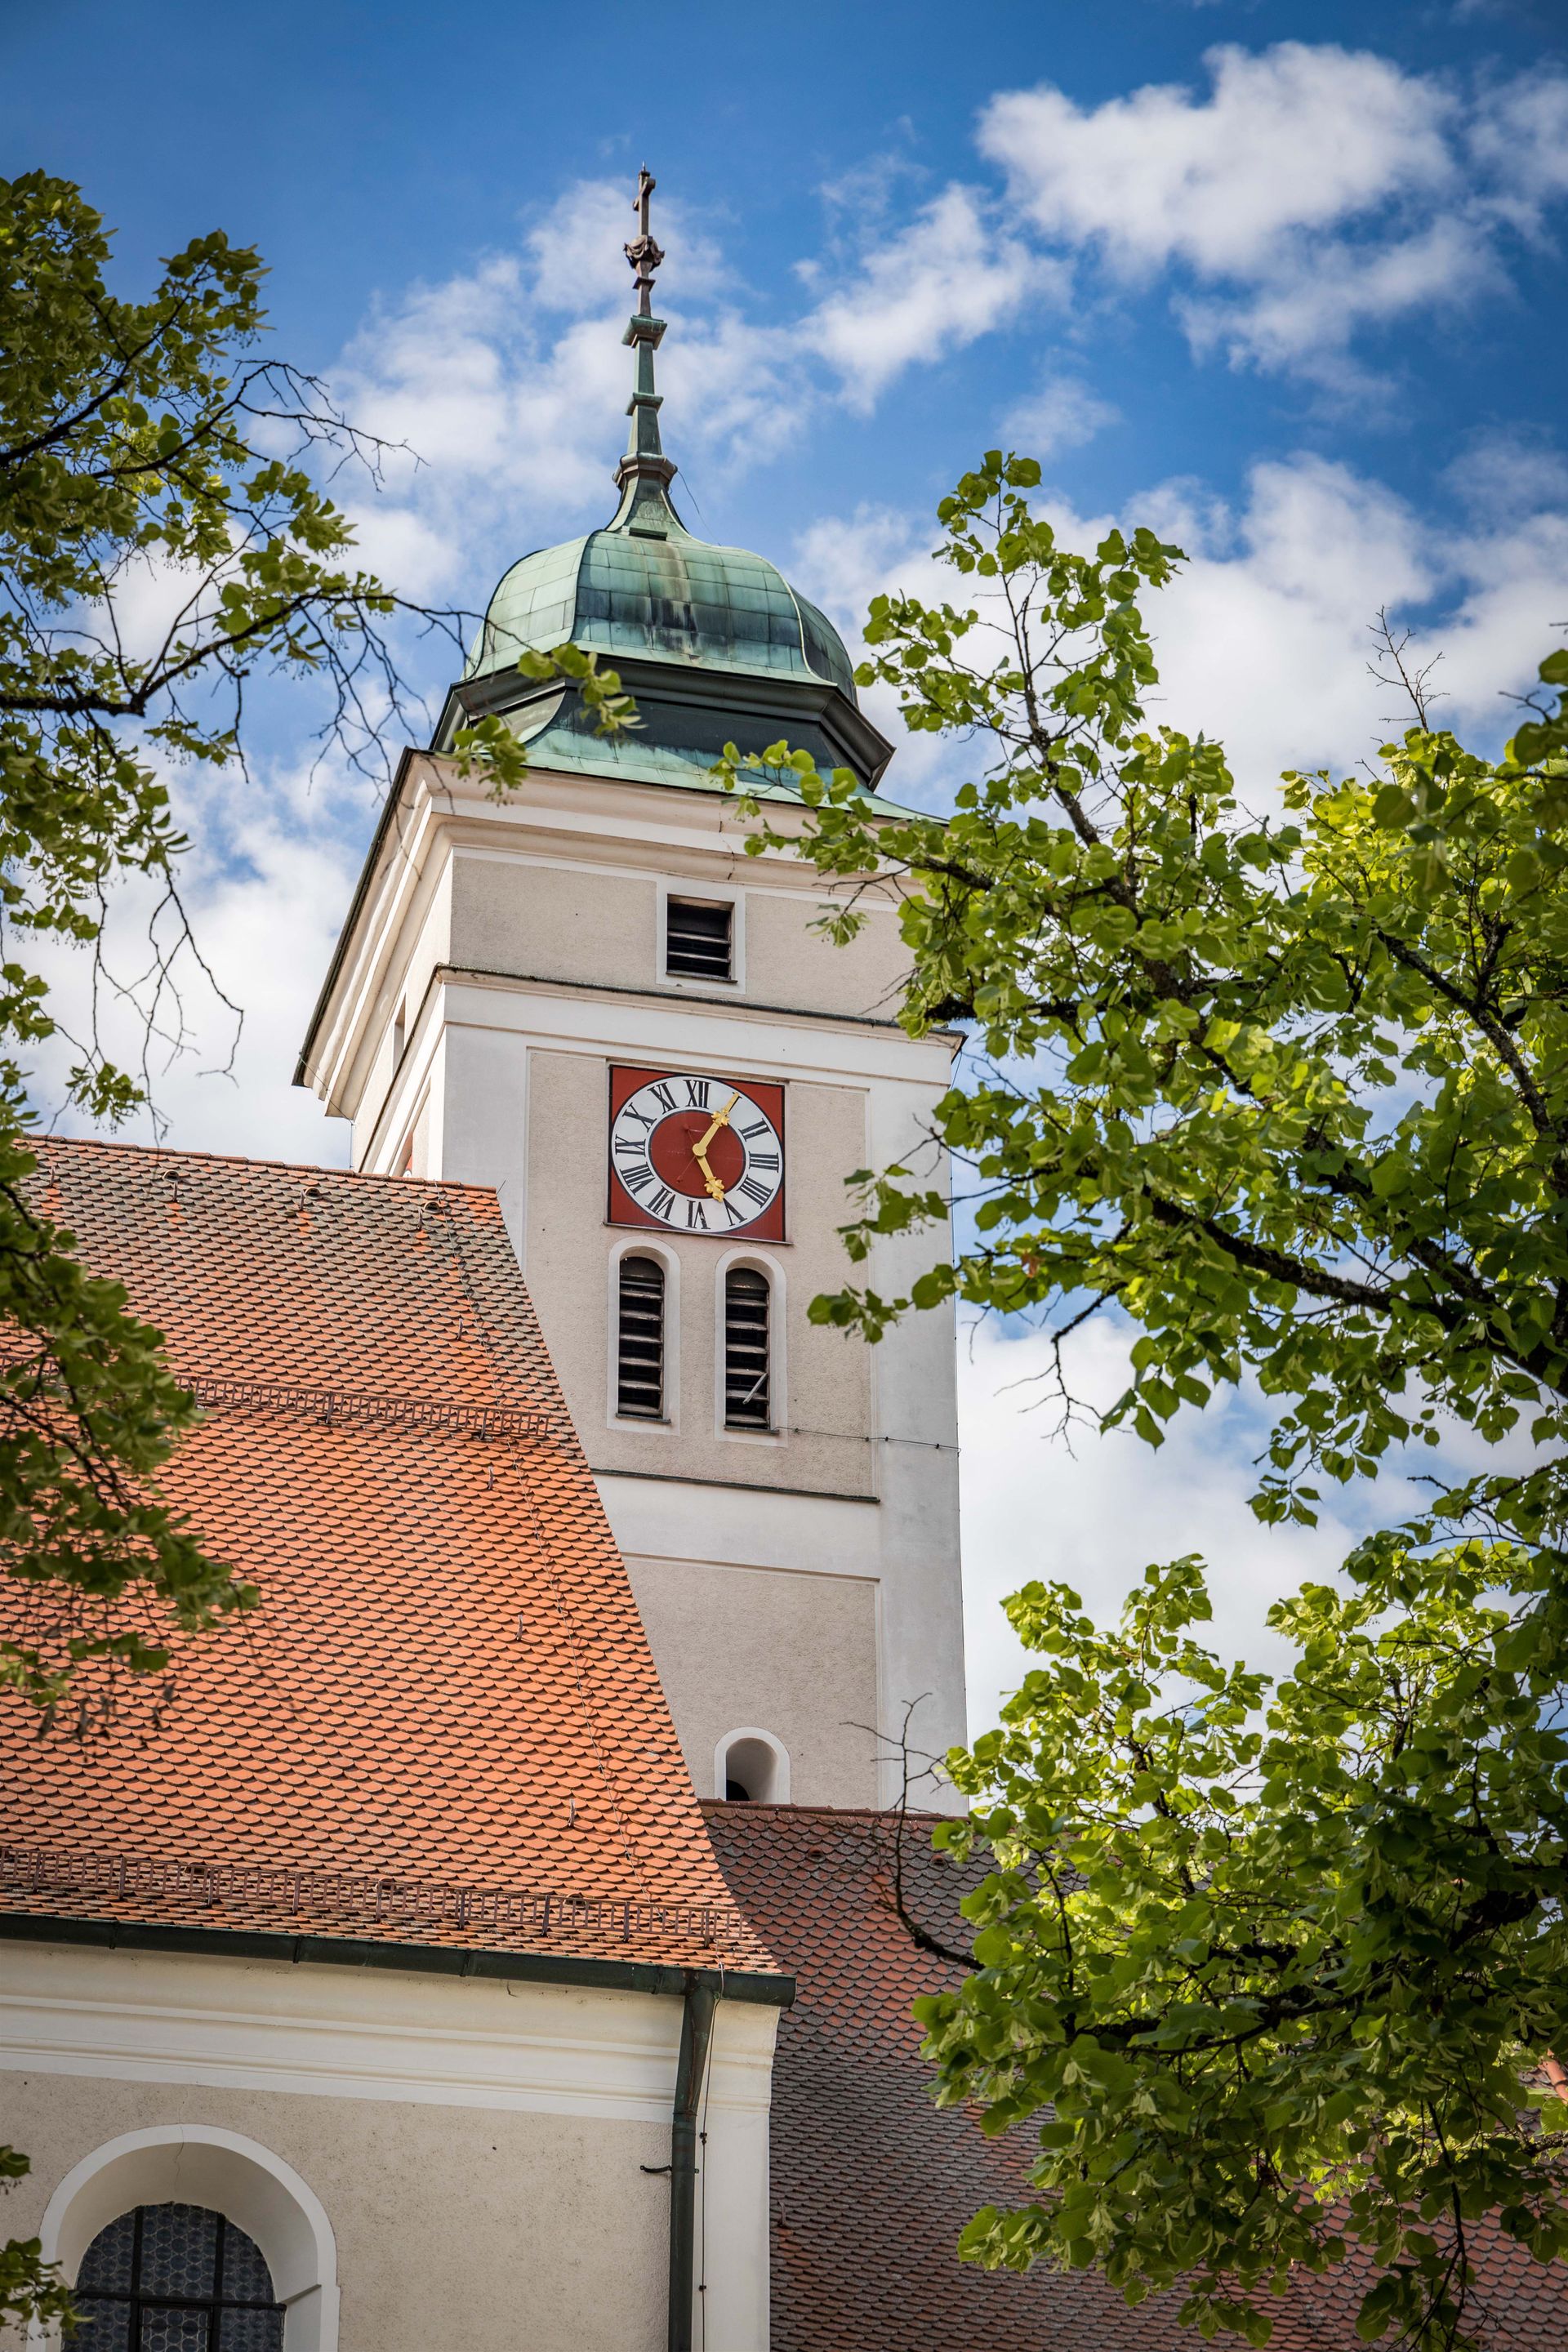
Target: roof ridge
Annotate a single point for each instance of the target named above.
(726, 1806)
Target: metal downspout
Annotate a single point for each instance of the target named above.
(696, 2037)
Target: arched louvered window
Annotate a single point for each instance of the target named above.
(639, 1382)
(747, 1304)
(177, 2278)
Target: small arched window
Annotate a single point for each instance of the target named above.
(752, 1767)
(747, 1335)
(177, 2278)
(639, 1374)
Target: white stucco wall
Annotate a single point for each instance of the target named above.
(476, 2146)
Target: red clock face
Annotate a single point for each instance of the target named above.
(691, 1153)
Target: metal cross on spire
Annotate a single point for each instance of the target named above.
(644, 474)
(644, 253)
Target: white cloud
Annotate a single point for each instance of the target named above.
(1307, 311)
(1315, 191)
(935, 286)
(1520, 137)
(1508, 473)
(1299, 138)
(266, 885)
(1264, 640)
(1094, 1515)
(1062, 414)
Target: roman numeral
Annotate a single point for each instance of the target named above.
(661, 1094)
(696, 1216)
(697, 1093)
(732, 1212)
(763, 1127)
(636, 1179)
(661, 1203)
(641, 1117)
(753, 1190)
(762, 1160)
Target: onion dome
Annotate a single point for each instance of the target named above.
(635, 590)
(712, 642)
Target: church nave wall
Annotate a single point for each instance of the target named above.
(475, 2146)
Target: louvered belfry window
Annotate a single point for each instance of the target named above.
(639, 1390)
(747, 1404)
(700, 940)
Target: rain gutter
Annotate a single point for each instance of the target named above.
(766, 1990)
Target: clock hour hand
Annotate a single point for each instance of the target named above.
(711, 1182)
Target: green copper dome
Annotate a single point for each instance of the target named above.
(646, 586)
(712, 643)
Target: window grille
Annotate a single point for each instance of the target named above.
(177, 2278)
(640, 1389)
(698, 941)
(746, 1305)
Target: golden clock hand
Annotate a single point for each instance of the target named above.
(719, 1119)
(715, 1190)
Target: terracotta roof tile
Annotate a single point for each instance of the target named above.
(447, 1684)
(872, 2183)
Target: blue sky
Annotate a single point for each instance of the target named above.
(367, 150)
(1286, 281)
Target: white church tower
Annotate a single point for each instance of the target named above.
(586, 994)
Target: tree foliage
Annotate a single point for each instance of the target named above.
(1287, 1085)
(163, 544)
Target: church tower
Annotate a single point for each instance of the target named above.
(586, 994)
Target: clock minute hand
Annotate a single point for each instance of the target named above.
(719, 1119)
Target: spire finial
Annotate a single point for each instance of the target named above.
(645, 253)
(644, 474)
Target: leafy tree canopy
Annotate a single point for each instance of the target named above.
(1274, 1973)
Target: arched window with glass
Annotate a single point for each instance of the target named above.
(177, 2278)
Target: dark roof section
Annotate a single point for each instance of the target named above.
(872, 2183)
(443, 1727)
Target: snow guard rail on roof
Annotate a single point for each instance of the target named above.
(242, 1895)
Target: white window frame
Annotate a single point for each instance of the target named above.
(706, 894)
(645, 1244)
(199, 2164)
(767, 1266)
(779, 1793)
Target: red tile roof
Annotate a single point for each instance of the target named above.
(447, 1684)
(872, 2183)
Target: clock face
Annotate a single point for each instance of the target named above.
(696, 1155)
